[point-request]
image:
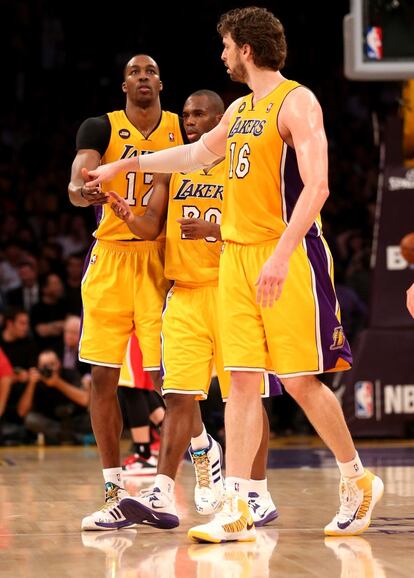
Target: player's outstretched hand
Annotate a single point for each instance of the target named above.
(104, 173)
(93, 195)
(120, 207)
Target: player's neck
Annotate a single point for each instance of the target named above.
(144, 119)
(263, 82)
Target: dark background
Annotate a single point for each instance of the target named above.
(62, 62)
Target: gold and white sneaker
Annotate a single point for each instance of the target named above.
(358, 497)
(109, 517)
(233, 522)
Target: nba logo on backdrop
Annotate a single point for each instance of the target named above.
(364, 399)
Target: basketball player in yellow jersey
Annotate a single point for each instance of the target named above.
(277, 301)
(123, 288)
(191, 204)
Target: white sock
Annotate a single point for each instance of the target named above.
(165, 484)
(113, 475)
(238, 486)
(352, 469)
(200, 442)
(258, 486)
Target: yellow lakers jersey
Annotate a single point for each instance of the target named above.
(126, 141)
(262, 180)
(198, 195)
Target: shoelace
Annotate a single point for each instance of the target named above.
(202, 468)
(229, 507)
(111, 498)
(349, 498)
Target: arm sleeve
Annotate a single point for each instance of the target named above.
(181, 159)
(94, 133)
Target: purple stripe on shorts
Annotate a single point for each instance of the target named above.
(162, 368)
(333, 340)
(85, 267)
(275, 385)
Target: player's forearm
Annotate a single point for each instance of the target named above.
(184, 158)
(305, 213)
(75, 195)
(145, 227)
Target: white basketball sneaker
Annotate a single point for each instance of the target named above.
(262, 508)
(209, 489)
(109, 516)
(234, 522)
(358, 497)
(151, 508)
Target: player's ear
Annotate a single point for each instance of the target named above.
(161, 85)
(124, 87)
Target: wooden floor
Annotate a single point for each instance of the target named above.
(44, 493)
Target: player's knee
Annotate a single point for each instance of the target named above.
(104, 380)
(180, 403)
(300, 387)
(245, 382)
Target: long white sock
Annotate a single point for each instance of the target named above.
(113, 475)
(165, 484)
(258, 486)
(238, 486)
(352, 469)
(200, 442)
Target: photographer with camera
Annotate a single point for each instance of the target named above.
(55, 401)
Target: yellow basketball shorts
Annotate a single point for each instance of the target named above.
(192, 347)
(302, 333)
(123, 290)
(190, 342)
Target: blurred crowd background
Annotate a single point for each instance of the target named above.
(62, 64)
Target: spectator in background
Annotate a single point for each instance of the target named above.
(28, 293)
(19, 347)
(48, 316)
(71, 333)
(55, 401)
(74, 271)
(6, 373)
(10, 255)
(353, 310)
(77, 239)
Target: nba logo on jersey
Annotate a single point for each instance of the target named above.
(93, 259)
(171, 136)
(364, 399)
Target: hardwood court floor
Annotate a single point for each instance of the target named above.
(44, 493)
